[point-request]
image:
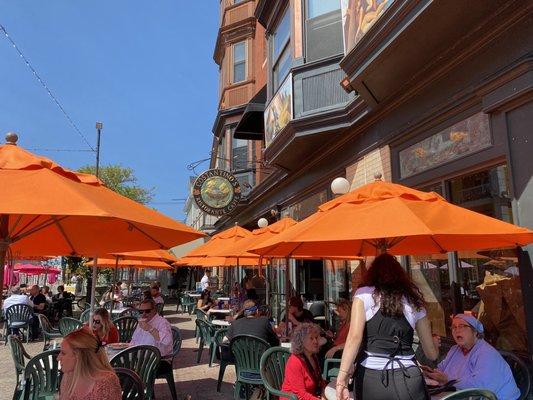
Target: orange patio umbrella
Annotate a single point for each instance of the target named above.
(383, 216)
(46, 209)
(207, 255)
(112, 263)
(146, 255)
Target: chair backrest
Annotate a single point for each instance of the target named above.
(82, 303)
(109, 304)
(18, 353)
(159, 307)
(42, 376)
(272, 367)
(130, 312)
(125, 326)
(478, 394)
(205, 330)
(131, 384)
(176, 341)
(67, 325)
(144, 360)
(247, 350)
(46, 326)
(201, 314)
(19, 313)
(520, 372)
(85, 315)
(318, 309)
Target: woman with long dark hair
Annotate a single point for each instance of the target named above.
(386, 310)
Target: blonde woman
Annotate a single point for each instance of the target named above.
(103, 328)
(87, 373)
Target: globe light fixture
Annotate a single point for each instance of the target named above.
(262, 223)
(340, 186)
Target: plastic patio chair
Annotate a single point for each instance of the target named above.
(85, 315)
(520, 372)
(169, 374)
(218, 337)
(42, 376)
(125, 326)
(159, 307)
(144, 360)
(272, 369)
(67, 325)
(49, 332)
(331, 368)
(200, 314)
(205, 333)
(19, 355)
(18, 316)
(131, 384)
(467, 394)
(247, 351)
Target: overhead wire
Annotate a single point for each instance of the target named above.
(45, 86)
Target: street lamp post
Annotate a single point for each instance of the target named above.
(99, 127)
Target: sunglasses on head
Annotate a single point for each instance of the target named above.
(147, 311)
(96, 321)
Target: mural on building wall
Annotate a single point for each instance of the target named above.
(357, 18)
(461, 139)
(279, 111)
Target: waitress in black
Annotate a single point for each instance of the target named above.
(386, 310)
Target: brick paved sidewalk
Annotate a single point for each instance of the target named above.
(197, 380)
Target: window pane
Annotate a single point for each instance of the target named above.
(316, 8)
(239, 154)
(281, 70)
(323, 33)
(239, 72)
(282, 34)
(239, 53)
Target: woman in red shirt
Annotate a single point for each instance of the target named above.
(303, 373)
(103, 328)
(343, 310)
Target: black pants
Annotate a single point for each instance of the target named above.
(390, 385)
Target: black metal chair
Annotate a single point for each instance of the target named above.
(18, 316)
(520, 372)
(19, 355)
(131, 384)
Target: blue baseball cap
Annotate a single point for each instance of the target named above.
(472, 321)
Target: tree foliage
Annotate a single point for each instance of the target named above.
(121, 180)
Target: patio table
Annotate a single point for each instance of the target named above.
(223, 299)
(221, 323)
(194, 295)
(224, 311)
(286, 345)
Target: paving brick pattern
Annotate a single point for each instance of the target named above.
(197, 380)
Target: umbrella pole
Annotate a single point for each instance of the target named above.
(287, 290)
(93, 289)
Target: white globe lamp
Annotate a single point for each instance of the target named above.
(340, 186)
(262, 223)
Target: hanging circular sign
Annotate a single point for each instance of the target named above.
(217, 192)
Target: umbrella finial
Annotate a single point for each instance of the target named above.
(377, 176)
(11, 138)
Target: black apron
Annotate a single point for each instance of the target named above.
(390, 337)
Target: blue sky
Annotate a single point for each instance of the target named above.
(143, 68)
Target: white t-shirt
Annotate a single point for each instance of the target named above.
(204, 282)
(371, 308)
(16, 299)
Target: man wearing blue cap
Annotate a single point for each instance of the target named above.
(474, 363)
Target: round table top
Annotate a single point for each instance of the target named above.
(286, 345)
(224, 299)
(195, 295)
(220, 322)
(220, 311)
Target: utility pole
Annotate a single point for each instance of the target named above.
(91, 282)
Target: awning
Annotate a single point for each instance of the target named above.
(251, 126)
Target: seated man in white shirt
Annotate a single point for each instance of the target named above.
(154, 330)
(204, 282)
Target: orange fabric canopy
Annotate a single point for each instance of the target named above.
(111, 263)
(207, 255)
(147, 255)
(46, 209)
(387, 216)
